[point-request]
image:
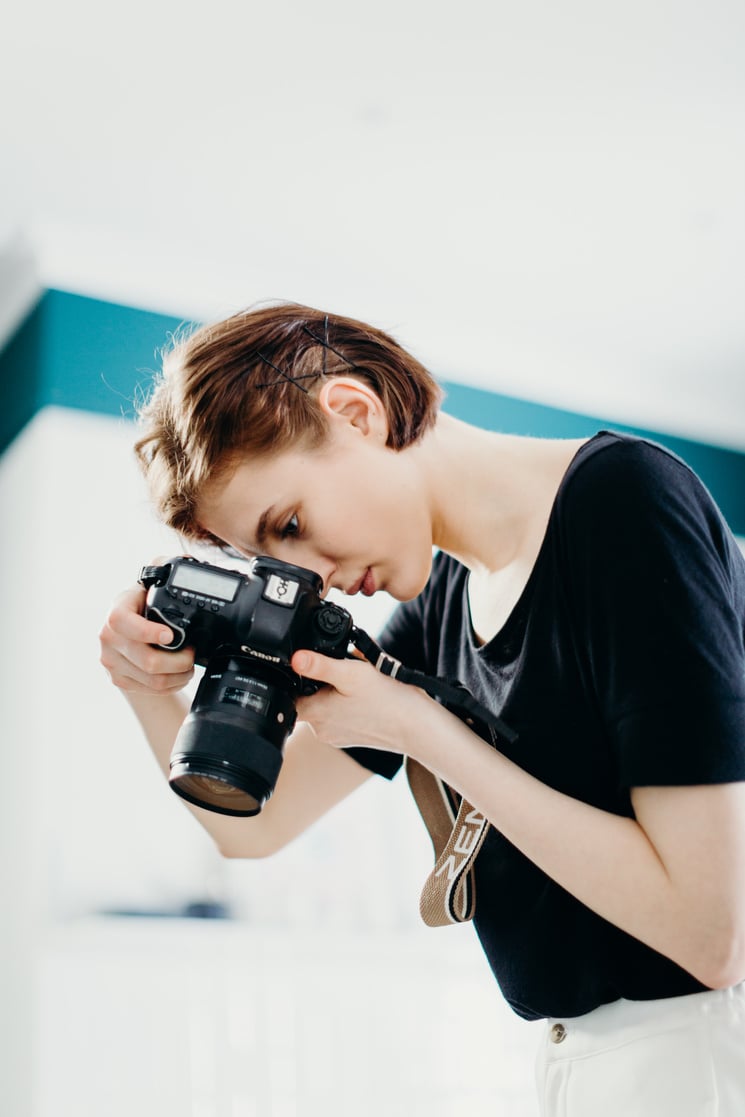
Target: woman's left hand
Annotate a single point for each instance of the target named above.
(358, 705)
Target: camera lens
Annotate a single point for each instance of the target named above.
(228, 752)
(216, 791)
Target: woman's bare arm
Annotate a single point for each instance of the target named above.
(314, 776)
(673, 876)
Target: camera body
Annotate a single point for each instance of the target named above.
(267, 613)
(244, 629)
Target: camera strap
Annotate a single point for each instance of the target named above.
(457, 830)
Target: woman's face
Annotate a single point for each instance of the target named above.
(352, 510)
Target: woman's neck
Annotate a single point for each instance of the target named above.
(491, 494)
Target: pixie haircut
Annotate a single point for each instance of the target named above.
(247, 387)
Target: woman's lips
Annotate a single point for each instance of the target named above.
(365, 585)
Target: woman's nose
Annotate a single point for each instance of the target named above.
(324, 567)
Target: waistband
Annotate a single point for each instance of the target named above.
(622, 1021)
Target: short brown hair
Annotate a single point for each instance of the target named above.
(247, 385)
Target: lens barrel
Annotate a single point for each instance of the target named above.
(228, 753)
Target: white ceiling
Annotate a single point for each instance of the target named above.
(545, 198)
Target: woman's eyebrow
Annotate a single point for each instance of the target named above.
(262, 528)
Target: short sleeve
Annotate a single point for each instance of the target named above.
(656, 586)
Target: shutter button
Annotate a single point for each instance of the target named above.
(558, 1033)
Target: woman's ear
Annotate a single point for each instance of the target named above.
(345, 399)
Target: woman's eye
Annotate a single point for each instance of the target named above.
(232, 553)
(292, 527)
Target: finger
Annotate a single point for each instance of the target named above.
(127, 621)
(341, 674)
(155, 684)
(154, 661)
(146, 658)
(127, 676)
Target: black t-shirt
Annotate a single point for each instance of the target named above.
(622, 665)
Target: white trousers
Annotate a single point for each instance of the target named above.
(679, 1057)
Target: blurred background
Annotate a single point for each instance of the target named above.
(545, 203)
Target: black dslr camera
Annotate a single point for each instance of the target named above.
(244, 629)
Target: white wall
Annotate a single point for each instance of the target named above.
(89, 825)
(544, 198)
(72, 485)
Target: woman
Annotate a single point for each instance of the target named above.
(588, 592)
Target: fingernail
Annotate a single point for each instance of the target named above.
(302, 661)
(166, 637)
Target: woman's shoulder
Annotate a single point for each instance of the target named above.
(615, 455)
(624, 493)
(615, 475)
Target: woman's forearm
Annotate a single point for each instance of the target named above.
(161, 717)
(683, 897)
(314, 777)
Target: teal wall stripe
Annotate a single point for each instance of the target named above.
(78, 352)
(98, 354)
(20, 372)
(84, 353)
(721, 470)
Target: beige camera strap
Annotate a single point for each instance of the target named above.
(449, 893)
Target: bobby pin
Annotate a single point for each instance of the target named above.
(284, 375)
(324, 342)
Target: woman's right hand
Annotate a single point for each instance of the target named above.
(130, 652)
(314, 776)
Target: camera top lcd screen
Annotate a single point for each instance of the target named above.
(197, 580)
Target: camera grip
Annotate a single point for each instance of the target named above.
(168, 618)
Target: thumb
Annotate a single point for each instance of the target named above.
(319, 667)
(308, 663)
